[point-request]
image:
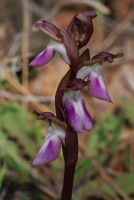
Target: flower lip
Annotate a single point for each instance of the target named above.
(97, 87)
(77, 115)
(48, 152)
(43, 58)
(50, 149)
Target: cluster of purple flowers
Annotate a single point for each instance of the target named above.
(83, 71)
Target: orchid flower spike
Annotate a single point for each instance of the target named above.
(60, 42)
(77, 114)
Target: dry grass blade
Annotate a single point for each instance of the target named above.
(94, 4)
(47, 191)
(122, 26)
(113, 185)
(20, 88)
(25, 43)
(25, 98)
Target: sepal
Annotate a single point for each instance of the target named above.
(71, 48)
(105, 56)
(50, 29)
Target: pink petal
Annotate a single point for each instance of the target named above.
(73, 115)
(43, 58)
(87, 121)
(48, 152)
(97, 87)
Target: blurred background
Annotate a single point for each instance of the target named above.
(105, 169)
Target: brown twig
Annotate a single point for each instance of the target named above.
(25, 42)
(113, 185)
(46, 191)
(43, 189)
(122, 26)
(20, 88)
(94, 4)
(105, 177)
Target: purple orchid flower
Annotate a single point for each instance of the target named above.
(51, 147)
(54, 136)
(77, 114)
(96, 86)
(60, 43)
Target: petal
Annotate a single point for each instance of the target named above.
(48, 152)
(49, 132)
(43, 58)
(87, 121)
(73, 115)
(97, 87)
(60, 48)
(83, 72)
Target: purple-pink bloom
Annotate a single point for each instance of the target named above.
(77, 114)
(96, 86)
(60, 42)
(50, 149)
(46, 55)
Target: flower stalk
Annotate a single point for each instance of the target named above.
(70, 151)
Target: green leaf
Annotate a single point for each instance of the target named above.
(127, 158)
(128, 107)
(2, 174)
(74, 197)
(105, 135)
(107, 189)
(15, 122)
(11, 156)
(126, 183)
(83, 167)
